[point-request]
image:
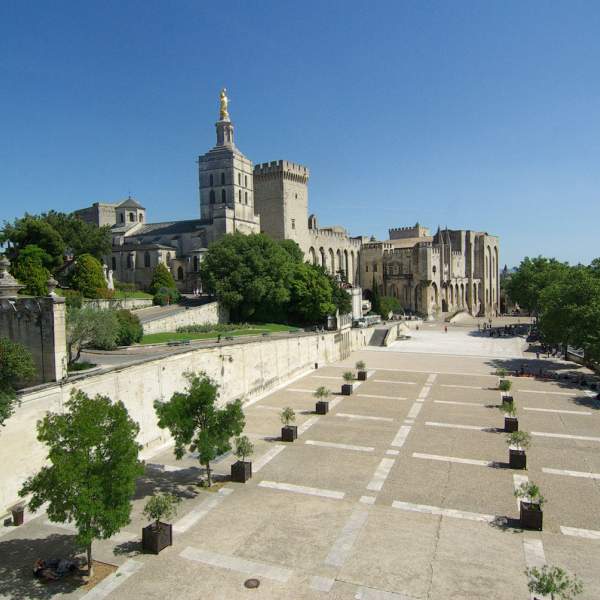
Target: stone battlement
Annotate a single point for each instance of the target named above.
(400, 233)
(281, 167)
(316, 233)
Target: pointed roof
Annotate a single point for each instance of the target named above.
(131, 203)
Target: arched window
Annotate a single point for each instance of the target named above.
(222, 178)
(140, 217)
(114, 263)
(212, 196)
(130, 261)
(239, 179)
(179, 273)
(146, 259)
(223, 196)
(211, 180)
(245, 197)
(122, 219)
(245, 181)
(132, 217)
(240, 196)
(196, 264)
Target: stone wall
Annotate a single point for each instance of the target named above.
(118, 303)
(197, 315)
(38, 324)
(244, 370)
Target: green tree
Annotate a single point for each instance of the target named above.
(88, 276)
(570, 311)
(29, 230)
(292, 248)
(388, 304)
(195, 421)
(250, 275)
(161, 506)
(341, 298)
(130, 328)
(161, 278)
(30, 270)
(526, 284)
(311, 297)
(90, 328)
(92, 468)
(165, 296)
(553, 582)
(16, 369)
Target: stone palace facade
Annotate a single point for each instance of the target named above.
(444, 273)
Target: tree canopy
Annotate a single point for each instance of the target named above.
(195, 421)
(87, 276)
(88, 327)
(161, 278)
(16, 369)
(30, 270)
(92, 467)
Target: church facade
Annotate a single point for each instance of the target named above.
(450, 271)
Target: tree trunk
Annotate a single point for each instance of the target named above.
(208, 478)
(89, 560)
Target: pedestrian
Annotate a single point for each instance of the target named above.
(445, 329)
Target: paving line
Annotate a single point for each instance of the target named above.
(340, 551)
(333, 403)
(367, 499)
(586, 438)
(268, 456)
(414, 411)
(456, 426)
(307, 425)
(321, 584)
(534, 553)
(381, 473)
(458, 403)
(574, 393)
(299, 390)
(325, 377)
(340, 446)
(444, 512)
(168, 468)
(378, 396)
(562, 412)
(365, 593)
(201, 511)
(454, 459)
(518, 481)
(114, 580)
(571, 473)
(401, 436)
(464, 387)
(362, 417)
(391, 452)
(235, 563)
(589, 534)
(265, 407)
(301, 489)
(420, 371)
(393, 381)
(409, 421)
(432, 377)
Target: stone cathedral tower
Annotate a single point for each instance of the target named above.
(226, 182)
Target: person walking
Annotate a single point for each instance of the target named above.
(445, 329)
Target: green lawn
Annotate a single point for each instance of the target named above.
(259, 328)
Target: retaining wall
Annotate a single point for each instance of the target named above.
(195, 315)
(244, 370)
(118, 303)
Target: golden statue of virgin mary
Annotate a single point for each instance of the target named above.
(224, 101)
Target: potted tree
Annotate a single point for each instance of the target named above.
(518, 442)
(241, 470)
(530, 505)
(322, 406)
(502, 372)
(18, 513)
(553, 582)
(511, 422)
(362, 372)
(159, 535)
(288, 432)
(348, 387)
(504, 385)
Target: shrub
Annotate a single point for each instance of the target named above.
(504, 385)
(287, 416)
(348, 376)
(161, 506)
(509, 409)
(73, 298)
(130, 328)
(105, 294)
(243, 447)
(88, 276)
(16, 369)
(387, 305)
(361, 365)
(90, 328)
(530, 492)
(161, 278)
(165, 296)
(501, 372)
(553, 582)
(31, 272)
(322, 393)
(210, 327)
(520, 439)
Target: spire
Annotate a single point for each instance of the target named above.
(224, 125)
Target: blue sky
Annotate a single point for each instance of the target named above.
(479, 115)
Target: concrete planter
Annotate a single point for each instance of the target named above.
(322, 407)
(241, 471)
(362, 375)
(347, 389)
(508, 400)
(531, 516)
(511, 424)
(517, 459)
(18, 514)
(289, 433)
(156, 539)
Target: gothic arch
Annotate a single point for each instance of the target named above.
(346, 269)
(331, 261)
(323, 259)
(338, 257)
(312, 256)
(179, 273)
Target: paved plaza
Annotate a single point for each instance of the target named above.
(401, 492)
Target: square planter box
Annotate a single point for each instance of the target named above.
(508, 400)
(289, 433)
(511, 424)
(18, 514)
(241, 471)
(322, 407)
(517, 459)
(347, 389)
(362, 375)
(532, 516)
(155, 540)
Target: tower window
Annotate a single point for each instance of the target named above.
(222, 178)
(366, 268)
(240, 195)
(293, 223)
(140, 217)
(239, 179)
(212, 196)
(211, 180)
(146, 259)
(131, 217)
(223, 196)
(245, 181)
(246, 197)
(122, 218)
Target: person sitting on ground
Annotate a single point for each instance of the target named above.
(54, 568)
